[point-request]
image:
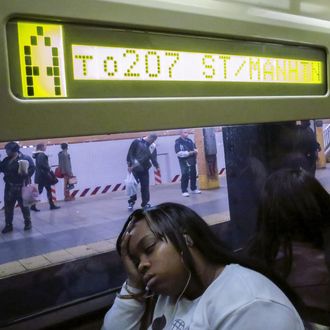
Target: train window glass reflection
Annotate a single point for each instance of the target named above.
(95, 205)
(232, 163)
(72, 248)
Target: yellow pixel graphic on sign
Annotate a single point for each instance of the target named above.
(41, 60)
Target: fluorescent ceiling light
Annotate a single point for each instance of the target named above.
(284, 17)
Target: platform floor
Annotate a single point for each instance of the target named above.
(90, 225)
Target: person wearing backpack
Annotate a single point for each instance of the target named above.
(17, 169)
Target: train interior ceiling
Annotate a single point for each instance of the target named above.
(65, 271)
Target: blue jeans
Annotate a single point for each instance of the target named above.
(13, 193)
(188, 172)
(141, 177)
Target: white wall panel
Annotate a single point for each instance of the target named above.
(98, 164)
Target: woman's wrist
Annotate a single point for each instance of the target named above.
(134, 286)
(129, 292)
(133, 289)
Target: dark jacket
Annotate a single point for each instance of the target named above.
(141, 155)
(10, 170)
(182, 148)
(306, 142)
(42, 168)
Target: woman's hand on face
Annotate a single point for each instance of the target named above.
(134, 279)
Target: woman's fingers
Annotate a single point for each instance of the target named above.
(131, 268)
(134, 277)
(124, 244)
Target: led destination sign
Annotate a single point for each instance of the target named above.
(81, 61)
(110, 63)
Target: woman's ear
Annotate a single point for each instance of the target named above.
(188, 240)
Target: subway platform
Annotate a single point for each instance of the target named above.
(90, 226)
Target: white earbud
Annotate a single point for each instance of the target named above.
(188, 240)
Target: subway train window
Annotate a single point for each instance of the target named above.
(84, 190)
(114, 107)
(75, 194)
(92, 195)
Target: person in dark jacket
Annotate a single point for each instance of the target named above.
(42, 176)
(141, 154)
(307, 144)
(186, 151)
(16, 174)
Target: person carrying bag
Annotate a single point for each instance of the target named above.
(30, 194)
(64, 164)
(17, 169)
(131, 184)
(44, 177)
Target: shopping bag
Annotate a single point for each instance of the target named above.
(58, 173)
(23, 166)
(131, 184)
(30, 194)
(73, 180)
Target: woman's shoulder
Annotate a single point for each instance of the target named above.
(241, 294)
(243, 285)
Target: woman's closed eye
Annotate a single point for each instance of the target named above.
(150, 248)
(147, 251)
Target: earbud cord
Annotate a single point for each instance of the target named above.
(178, 300)
(148, 294)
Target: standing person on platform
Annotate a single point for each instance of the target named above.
(64, 162)
(15, 176)
(42, 176)
(186, 151)
(141, 154)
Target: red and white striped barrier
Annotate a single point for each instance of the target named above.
(158, 177)
(177, 177)
(92, 191)
(97, 190)
(53, 193)
(222, 171)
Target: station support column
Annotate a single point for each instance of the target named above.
(207, 158)
(321, 161)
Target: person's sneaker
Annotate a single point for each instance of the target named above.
(28, 226)
(7, 229)
(130, 206)
(147, 206)
(196, 191)
(34, 208)
(185, 194)
(54, 207)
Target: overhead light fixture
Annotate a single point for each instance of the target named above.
(290, 18)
